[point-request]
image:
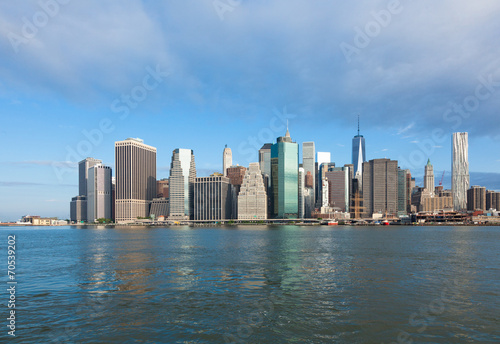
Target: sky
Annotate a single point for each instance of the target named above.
(77, 76)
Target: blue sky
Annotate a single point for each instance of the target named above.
(77, 76)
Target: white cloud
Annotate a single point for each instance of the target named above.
(429, 55)
(405, 129)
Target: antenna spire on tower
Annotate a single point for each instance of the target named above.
(358, 124)
(287, 134)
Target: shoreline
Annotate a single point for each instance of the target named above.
(198, 225)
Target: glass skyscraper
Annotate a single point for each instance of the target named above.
(358, 156)
(285, 177)
(265, 161)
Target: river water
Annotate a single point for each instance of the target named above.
(254, 284)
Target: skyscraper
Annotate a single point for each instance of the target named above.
(99, 193)
(135, 168)
(309, 165)
(78, 205)
(380, 187)
(322, 157)
(429, 178)
(285, 177)
(83, 169)
(358, 156)
(227, 160)
(460, 170)
(302, 186)
(212, 198)
(265, 160)
(181, 184)
(78, 209)
(402, 191)
(338, 187)
(252, 199)
(323, 168)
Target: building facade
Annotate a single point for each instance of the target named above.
(429, 178)
(302, 186)
(436, 203)
(265, 160)
(227, 160)
(135, 168)
(309, 165)
(236, 175)
(338, 188)
(181, 184)
(99, 196)
(476, 198)
(380, 187)
(402, 192)
(212, 198)
(162, 188)
(252, 199)
(285, 177)
(323, 168)
(78, 209)
(492, 200)
(159, 208)
(460, 180)
(83, 169)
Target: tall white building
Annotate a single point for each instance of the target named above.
(252, 199)
(227, 160)
(323, 157)
(99, 193)
(460, 180)
(181, 184)
(135, 168)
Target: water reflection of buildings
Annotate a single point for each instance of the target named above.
(112, 266)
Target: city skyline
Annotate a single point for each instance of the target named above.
(420, 177)
(66, 94)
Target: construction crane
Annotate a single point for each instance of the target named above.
(442, 177)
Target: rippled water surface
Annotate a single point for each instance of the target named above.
(285, 284)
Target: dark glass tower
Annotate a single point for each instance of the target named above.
(285, 177)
